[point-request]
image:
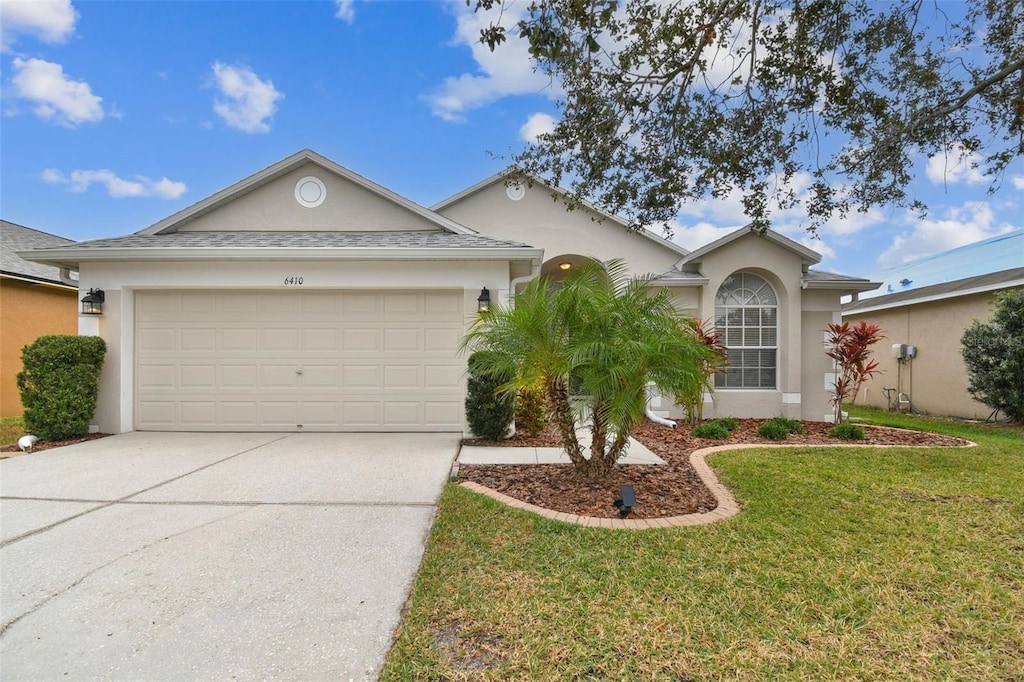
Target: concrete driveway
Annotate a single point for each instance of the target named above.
(213, 556)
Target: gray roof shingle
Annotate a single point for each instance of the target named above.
(15, 238)
(299, 240)
(989, 281)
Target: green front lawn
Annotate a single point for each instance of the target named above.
(11, 429)
(867, 564)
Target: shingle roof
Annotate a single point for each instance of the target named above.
(14, 238)
(299, 240)
(961, 287)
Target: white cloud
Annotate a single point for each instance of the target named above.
(972, 222)
(119, 188)
(345, 10)
(692, 237)
(51, 21)
(506, 71)
(247, 102)
(538, 124)
(954, 167)
(1018, 181)
(56, 97)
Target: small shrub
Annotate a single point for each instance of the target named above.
(847, 431)
(728, 423)
(711, 429)
(60, 384)
(791, 425)
(488, 412)
(773, 430)
(532, 410)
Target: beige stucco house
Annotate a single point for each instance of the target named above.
(306, 297)
(35, 300)
(924, 309)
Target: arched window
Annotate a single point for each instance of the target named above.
(746, 315)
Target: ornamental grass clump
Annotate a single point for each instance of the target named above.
(847, 431)
(779, 428)
(713, 430)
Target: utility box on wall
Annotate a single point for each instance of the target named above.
(902, 351)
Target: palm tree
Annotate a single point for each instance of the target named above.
(606, 335)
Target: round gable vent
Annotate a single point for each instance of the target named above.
(516, 191)
(310, 191)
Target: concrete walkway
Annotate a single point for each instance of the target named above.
(213, 556)
(637, 453)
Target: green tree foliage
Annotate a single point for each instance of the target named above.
(60, 383)
(994, 354)
(672, 101)
(532, 409)
(489, 411)
(607, 334)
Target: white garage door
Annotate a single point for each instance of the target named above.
(309, 361)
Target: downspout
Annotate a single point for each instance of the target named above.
(534, 272)
(65, 276)
(649, 411)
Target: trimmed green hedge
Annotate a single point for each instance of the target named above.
(489, 413)
(60, 383)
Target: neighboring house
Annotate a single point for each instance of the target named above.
(34, 300)
(927, 305)
(306, 297)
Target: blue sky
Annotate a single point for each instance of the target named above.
(118, 114)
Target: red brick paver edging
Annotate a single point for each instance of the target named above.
(727, 505)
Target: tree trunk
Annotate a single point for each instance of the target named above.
(561, 410)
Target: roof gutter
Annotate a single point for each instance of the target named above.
(71, 259)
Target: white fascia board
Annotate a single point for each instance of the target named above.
(681, 283)
(49, 257)
(842, 285)
(937, 297)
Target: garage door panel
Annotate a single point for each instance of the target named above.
(282, 361)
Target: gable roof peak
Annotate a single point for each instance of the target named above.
(602, 214)
(284, 166)
(808, 256)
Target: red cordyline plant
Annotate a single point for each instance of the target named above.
(705, 333)
(850, 347)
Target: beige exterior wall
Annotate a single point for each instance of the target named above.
(936, 380)
(782, 269)
(121, 281)
(28, 311)
(347, 207)
(538, 220)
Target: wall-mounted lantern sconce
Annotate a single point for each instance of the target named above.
(565, 266)
(483, 301)
(92, 302)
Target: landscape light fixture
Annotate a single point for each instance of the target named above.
(483, 301)
(92, 302)
(626, 500)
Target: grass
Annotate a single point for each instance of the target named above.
(866, 564)
(11, 429)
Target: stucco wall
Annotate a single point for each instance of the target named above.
(347, 207)
(540, 221)
(115, 412)
(782, 269)
(28, 311)
(936, 380)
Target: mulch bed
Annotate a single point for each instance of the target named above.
(13, 451)
(670, 490)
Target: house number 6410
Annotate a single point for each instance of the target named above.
(288, 281)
